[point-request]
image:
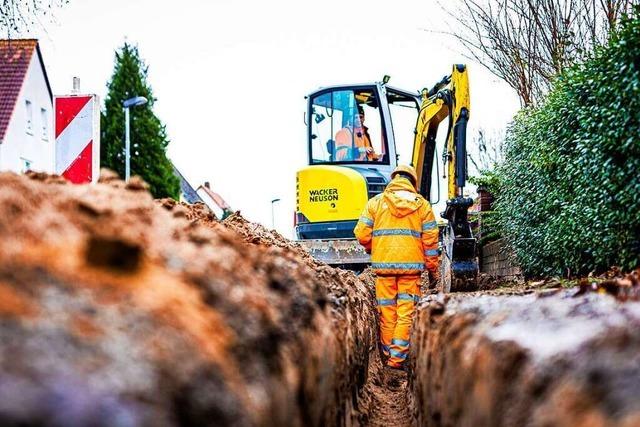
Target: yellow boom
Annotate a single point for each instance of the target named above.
(449, 99)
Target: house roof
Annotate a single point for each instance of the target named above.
(217, 199)
(15, 57)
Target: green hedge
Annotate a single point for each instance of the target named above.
(569, 189)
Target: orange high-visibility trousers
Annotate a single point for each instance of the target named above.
(397, 297)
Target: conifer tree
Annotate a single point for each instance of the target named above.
(148, 135)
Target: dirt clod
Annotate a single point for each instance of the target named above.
(136, 183)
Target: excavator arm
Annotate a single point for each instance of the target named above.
(449, 98)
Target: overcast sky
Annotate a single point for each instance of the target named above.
(230, 76)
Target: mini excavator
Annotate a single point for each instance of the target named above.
(354, 133)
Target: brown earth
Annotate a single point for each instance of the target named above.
(537, 358)
(118, 310)
(385, 398)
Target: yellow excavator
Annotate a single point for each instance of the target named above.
(355, 134)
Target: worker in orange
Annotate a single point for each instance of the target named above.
(400, 232)
(354, 138)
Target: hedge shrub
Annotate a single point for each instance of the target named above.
(569, 188)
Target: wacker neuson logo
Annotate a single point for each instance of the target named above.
(323, 195)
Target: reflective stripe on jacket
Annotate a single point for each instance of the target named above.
(399, 229)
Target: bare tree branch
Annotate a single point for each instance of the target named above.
(486, 150)
(17, 15)
(527, 43)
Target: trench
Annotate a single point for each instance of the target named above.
(532, 353)
(385, 398)
(124, 310)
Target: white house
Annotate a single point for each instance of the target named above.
(214, 201)
(26, 108)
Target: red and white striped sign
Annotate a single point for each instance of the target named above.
(77, 125)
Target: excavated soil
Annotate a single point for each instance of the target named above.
(383, 396)
(117, 310)
(532, 358)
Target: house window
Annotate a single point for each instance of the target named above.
(26, 164)
(45, 127)
(29, 117)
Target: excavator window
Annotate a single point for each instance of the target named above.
(346, 127)
(404, 111)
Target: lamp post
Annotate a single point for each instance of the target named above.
(273, 220)
(131, 102)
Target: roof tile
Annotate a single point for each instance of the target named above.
(15, 57)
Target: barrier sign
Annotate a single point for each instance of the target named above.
(77, 127)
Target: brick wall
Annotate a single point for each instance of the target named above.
(498, 260)
(484, 200)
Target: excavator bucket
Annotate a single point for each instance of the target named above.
(459, 269)
(459, 263)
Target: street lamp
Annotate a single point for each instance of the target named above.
(273, 221)
(131, 102)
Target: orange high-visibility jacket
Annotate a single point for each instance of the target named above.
(400, 230)
(347, 138)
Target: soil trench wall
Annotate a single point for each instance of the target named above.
(119, 310)
(526, 360)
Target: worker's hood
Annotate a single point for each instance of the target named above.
(401, 197)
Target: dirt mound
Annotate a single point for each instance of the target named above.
(197, 212)
(358, 312)
(119, 310)
(538, 359)
(259, 235)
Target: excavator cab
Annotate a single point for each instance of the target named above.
(350, 121)
(351, 154)
(351, 134)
